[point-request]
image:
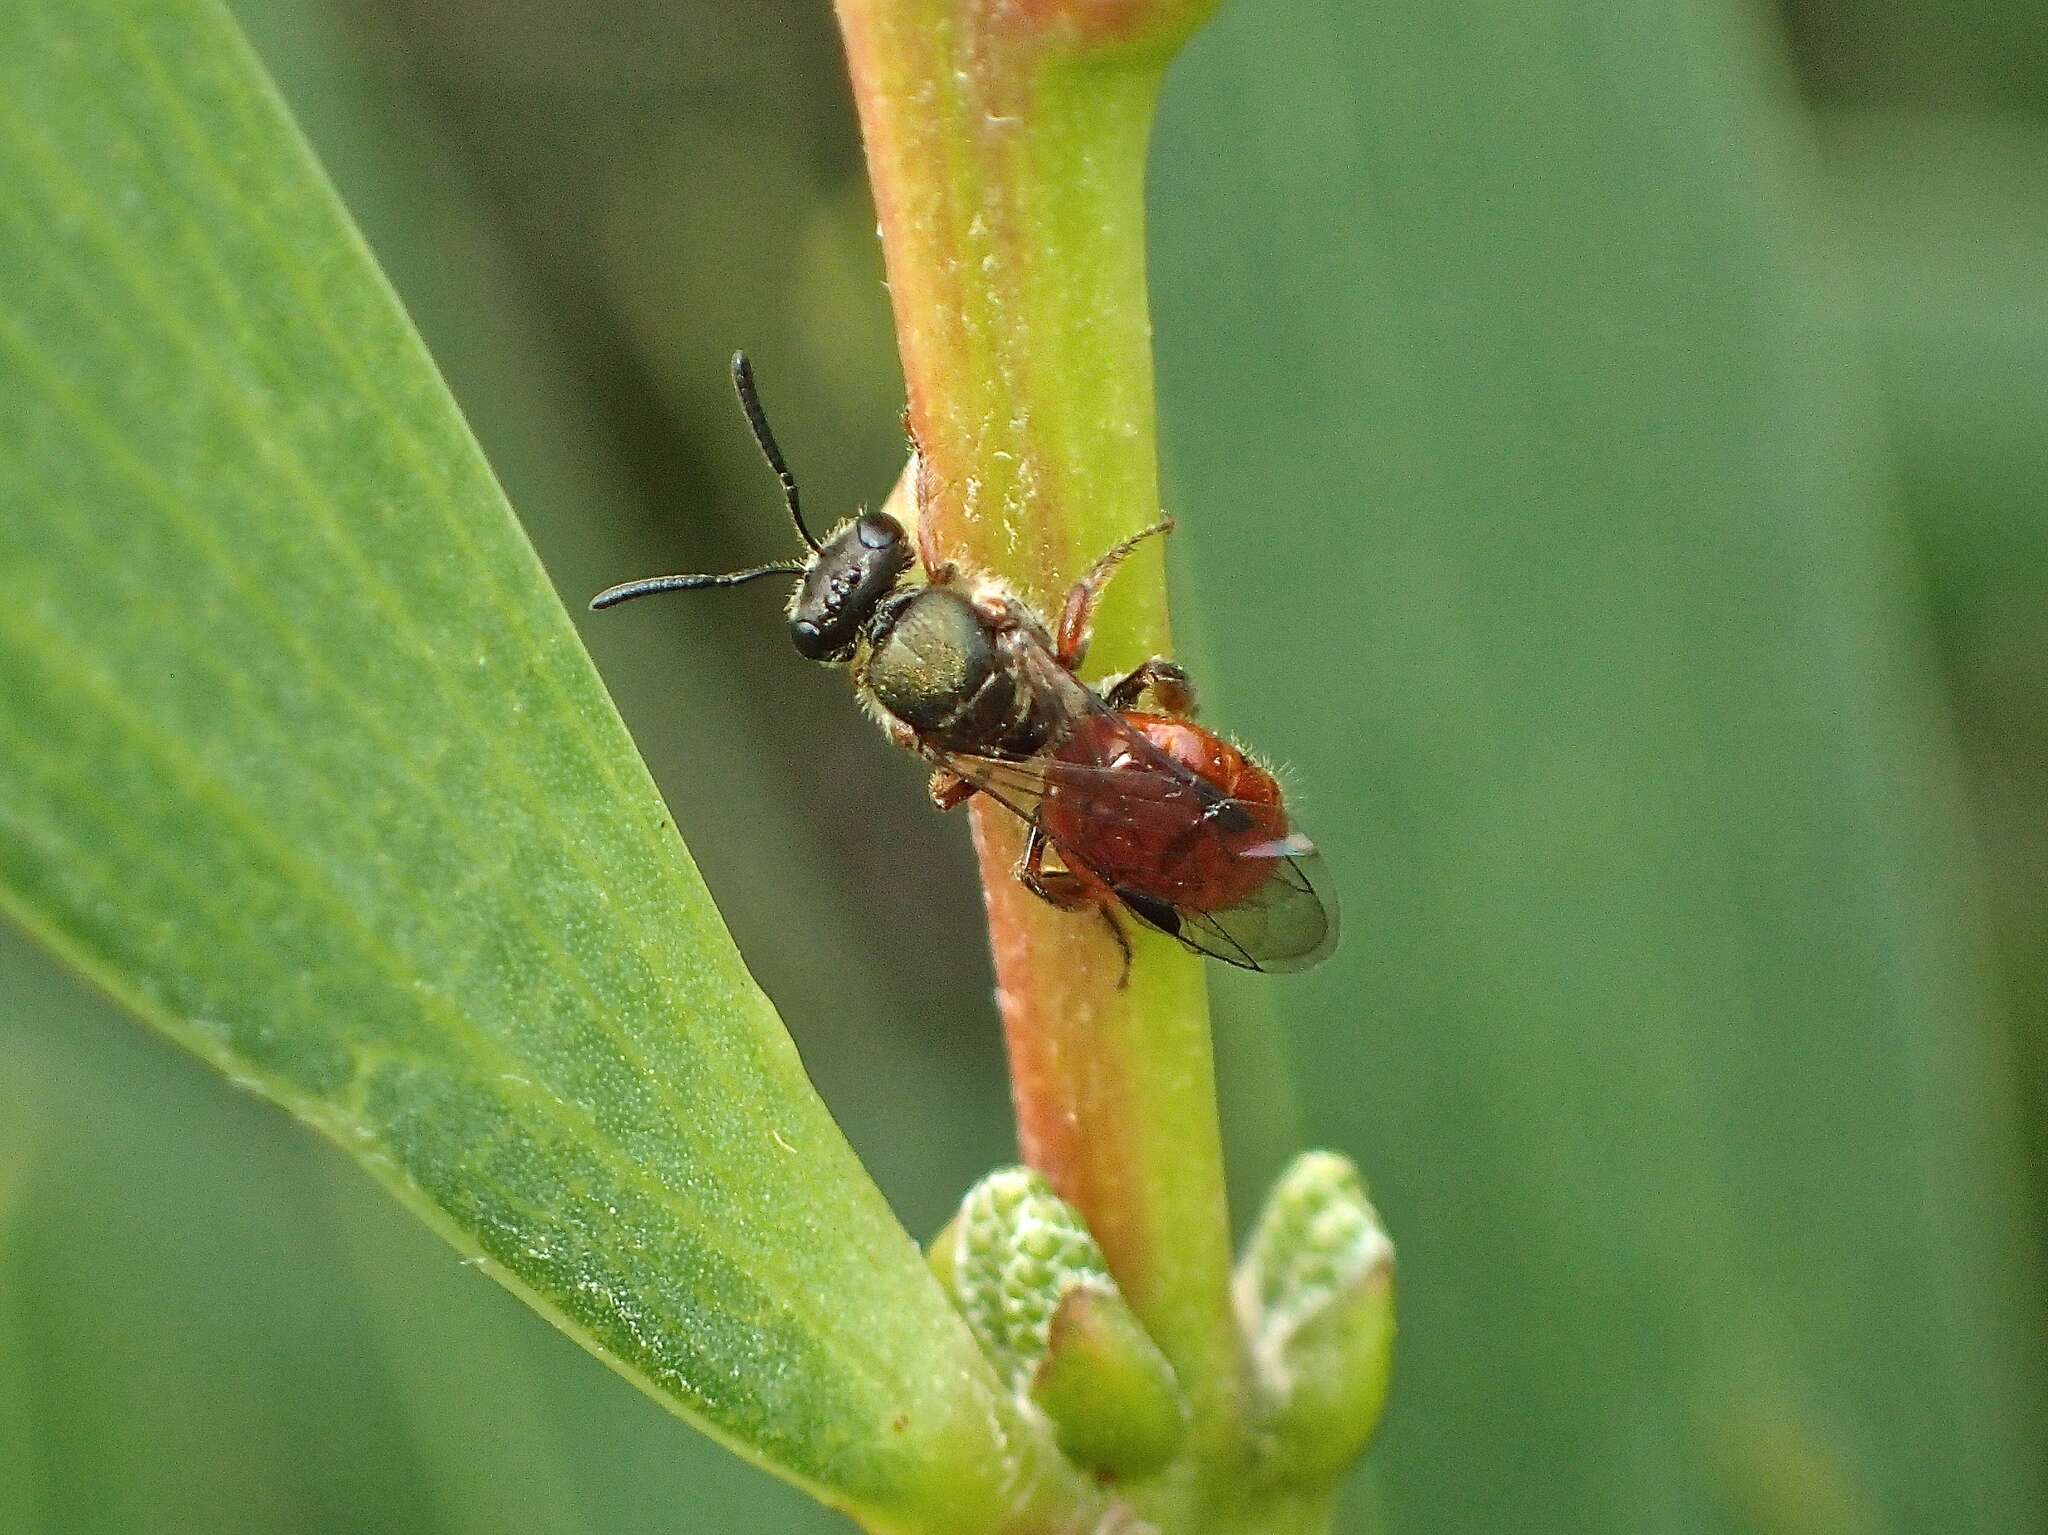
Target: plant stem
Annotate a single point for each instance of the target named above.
(1006, 145)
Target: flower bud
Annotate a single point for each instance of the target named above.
(1315, 1293)
(1037, 1292)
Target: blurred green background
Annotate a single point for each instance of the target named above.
(1611, 447)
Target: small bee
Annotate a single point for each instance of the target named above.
(1146, 812)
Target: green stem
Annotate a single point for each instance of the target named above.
(1006, 143)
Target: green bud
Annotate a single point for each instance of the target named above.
(1112, 1397)
(1315, 1293)
(943, 1255)
(1037, 1292)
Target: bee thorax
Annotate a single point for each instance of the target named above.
(937, 664)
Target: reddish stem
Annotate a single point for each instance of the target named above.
(1006, 144)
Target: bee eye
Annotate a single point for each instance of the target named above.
(878, 531)
(809, 640)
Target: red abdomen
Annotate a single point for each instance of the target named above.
(1139, 826)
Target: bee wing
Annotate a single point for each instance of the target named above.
(1111, 797)
(1288, 923)
(1174, 777)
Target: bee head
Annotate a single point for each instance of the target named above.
(859, 565)
(841, 581)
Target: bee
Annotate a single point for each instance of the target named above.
(1128, 809)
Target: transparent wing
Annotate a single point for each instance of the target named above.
(1108, 797)
(1288, 923)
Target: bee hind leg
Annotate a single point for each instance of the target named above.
(1123, 942)
(1056, 887)
(1068, 891)
(1167, 681)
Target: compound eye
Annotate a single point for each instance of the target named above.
(878, 530)
(809, 640)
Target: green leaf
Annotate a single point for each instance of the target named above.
(1943, 242)
(303, 762)
(1536, 518)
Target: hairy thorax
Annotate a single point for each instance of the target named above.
(938, 663)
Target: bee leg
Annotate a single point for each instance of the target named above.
(1048, 886)
(949, 791)
(1077, 615)
(1123, 942)
(1171, 687)
(1070, 892)
(937, 569)
(1056, 887)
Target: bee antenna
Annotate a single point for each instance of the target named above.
(750, 402)
(611, 597)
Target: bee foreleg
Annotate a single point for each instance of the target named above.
(937, 569)
(1171, 688)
